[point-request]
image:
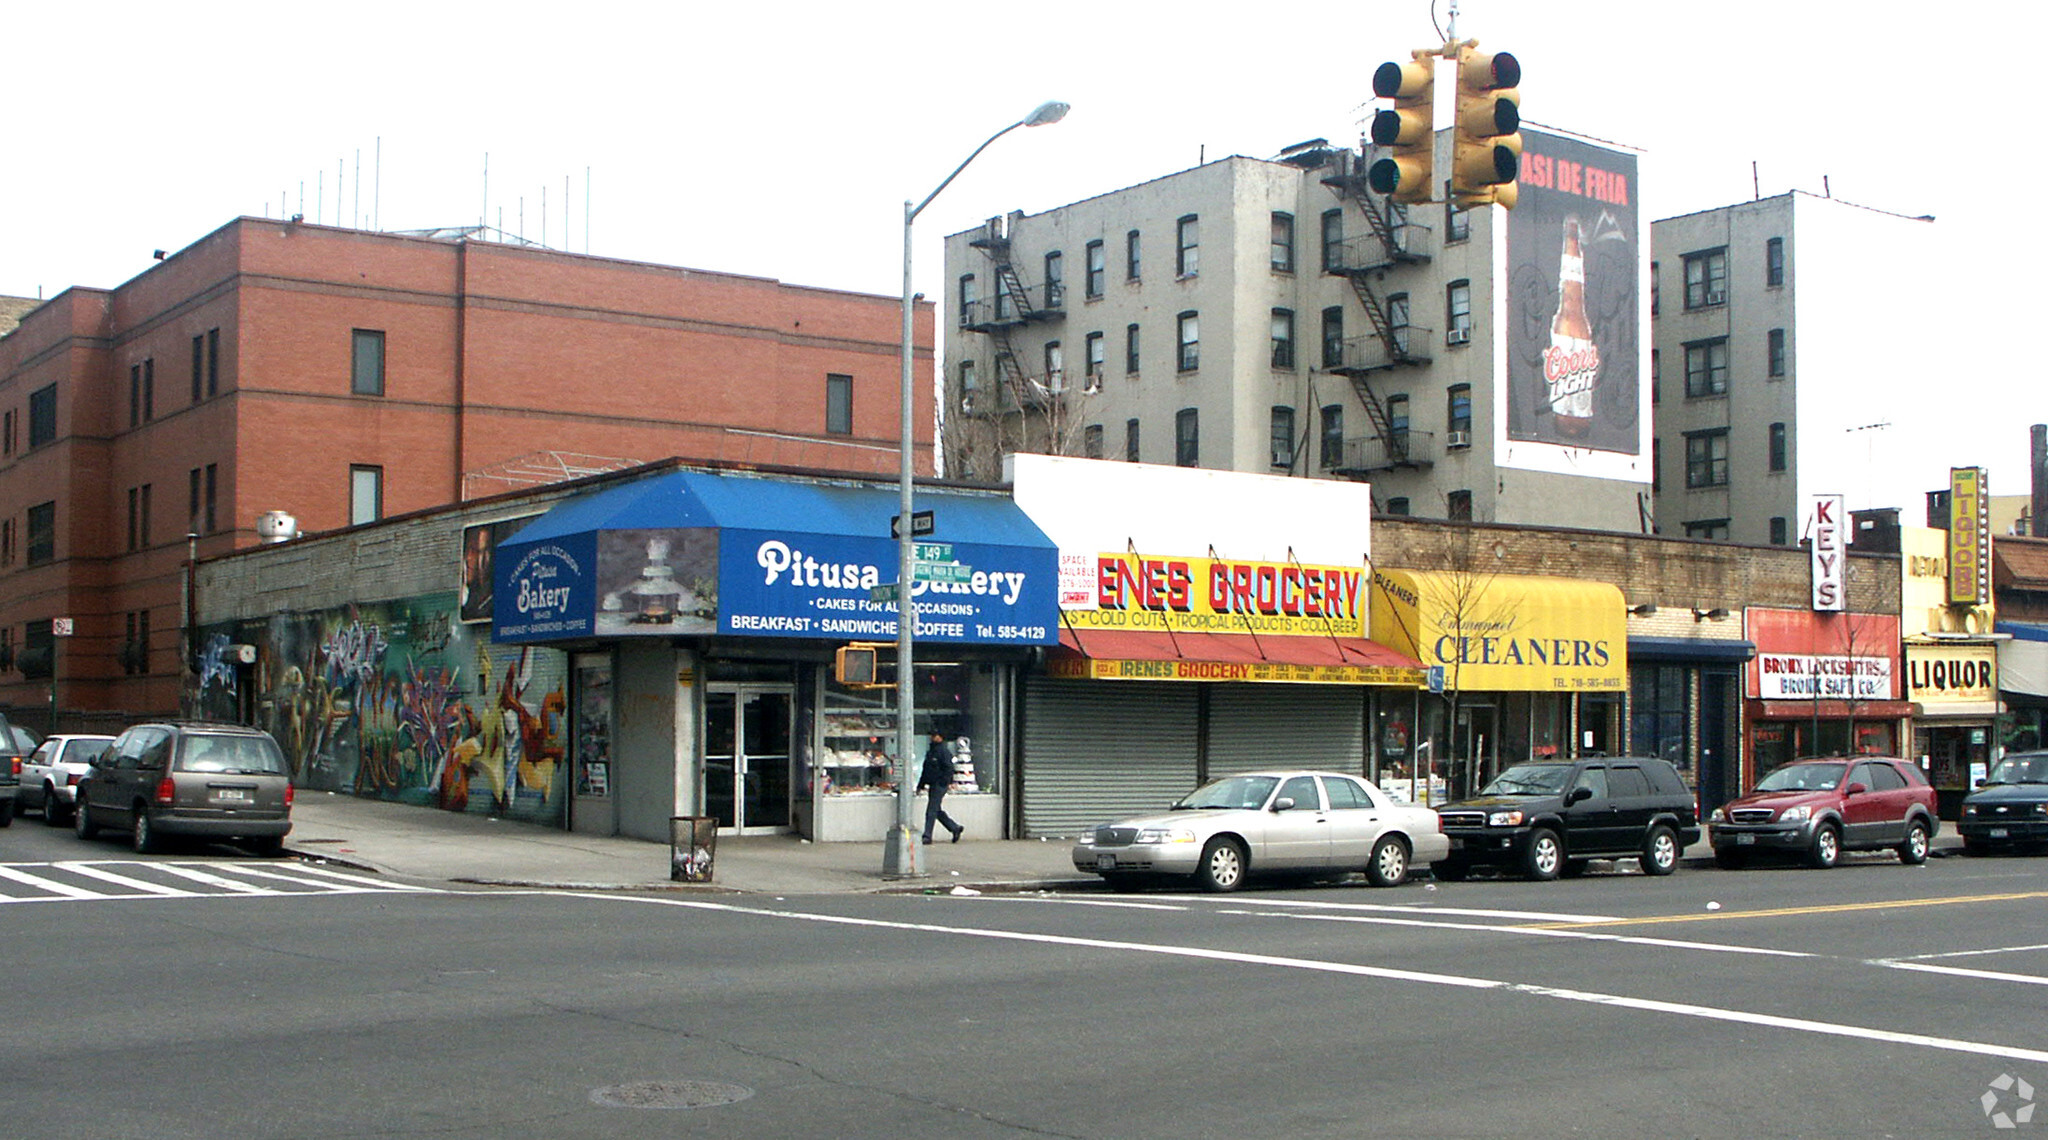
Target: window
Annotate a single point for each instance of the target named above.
(135, 395)
(1458, 408)
(1283, 242)
(1397, 323)
(1190, 342)
(199, 368)
(1097, 269)
(1777, 447)
(1776, 353)
(1656, 293)
(1131, 350)
(1774, 262)
(1656, 466)
(1187, 256)
(1187, 438)
(1706, 368)
(970, 296)
(1095, 361)
(1133, 249)
(1283, 439)
(1459, 505)
(1055, 280)
(1458, 313)
(38, 650)
(1333, 337)
(1091, 441)
(1130, 441)
(212, 367)
(1330, 450)
(1397, 427)
(147, 494)
(1055, 367)
(1781, 533)
(1398, 505)
(1457, 223)
(970, 380)
(138, 517)
(135, 650)
(192, 516)
(41, 533)
(1283, 338)
(365, 494)
(1706, 278)
(134, 494)
(42, 416)
(6, 542)
(366, 367)
(838, 404)
(1714, 529)
(1656, 376)
(1706, 458)
(1333, 240)
(7, 432)
(211, 517)
(148, 389)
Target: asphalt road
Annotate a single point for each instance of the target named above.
(293, 1001)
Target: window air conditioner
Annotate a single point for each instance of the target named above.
(1458, 439)
(1458, 336)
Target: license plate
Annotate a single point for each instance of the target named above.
(1743, 840)
(231, 795)
(1998, 833)
(1105, 862)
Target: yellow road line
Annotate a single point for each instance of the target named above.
(1836, 908)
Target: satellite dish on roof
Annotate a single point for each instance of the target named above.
(276, 526)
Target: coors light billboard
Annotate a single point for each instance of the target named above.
(1575, 385)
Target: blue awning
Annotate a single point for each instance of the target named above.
(1689, 649)
(697, 552)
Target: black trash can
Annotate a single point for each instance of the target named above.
(692, 848)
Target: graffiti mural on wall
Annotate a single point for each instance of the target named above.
(398, 701)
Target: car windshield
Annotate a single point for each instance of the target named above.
(2020, 770)
(1246, 793)
(1529, 780)
(242, 755)
(1803, 778)
(20, 741)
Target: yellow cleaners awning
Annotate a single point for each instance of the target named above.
(1503, 632)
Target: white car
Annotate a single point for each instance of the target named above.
(50, 774)
(1302, 822)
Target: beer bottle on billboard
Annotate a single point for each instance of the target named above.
(1571, 365)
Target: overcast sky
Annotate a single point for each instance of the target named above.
(781, 140)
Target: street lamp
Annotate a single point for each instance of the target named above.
(901, 856)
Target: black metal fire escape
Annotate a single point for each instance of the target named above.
(1012, 307)
(1391, 243)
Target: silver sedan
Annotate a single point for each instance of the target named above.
(1257, 822)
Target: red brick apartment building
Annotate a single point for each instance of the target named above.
(344, 376)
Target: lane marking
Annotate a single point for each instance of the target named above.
(101, 873)
(1423, 908)
(1423, 977)
(1781, 912)
(1973, 953)
(1960, 972)
(210, 879)
(67, 890)
(1542, 932)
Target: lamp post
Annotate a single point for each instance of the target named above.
(901, 855)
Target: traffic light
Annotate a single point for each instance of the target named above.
(854, 665)
(1408, 131)
(1486, 152)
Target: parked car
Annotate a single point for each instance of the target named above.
(188, 778)
(50, 775)
(1303, 822)
(15, 744)
(2009, 807)
(1816, 809)
(1548, 818)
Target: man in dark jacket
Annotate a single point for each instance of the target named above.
(937, 776)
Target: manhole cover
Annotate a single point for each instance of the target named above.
(669, 1094)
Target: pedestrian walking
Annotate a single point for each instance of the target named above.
(937, 777)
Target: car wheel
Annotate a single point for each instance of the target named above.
(1450, 870)
(1730, 860)
(1914, 850)
(1223, 865)
(1826, 849)
(1544, 856)
(146, 842)
(82, 824)
(1389, 866)
(53, 808)
(1660, 851)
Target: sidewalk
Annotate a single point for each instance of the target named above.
(423, 843)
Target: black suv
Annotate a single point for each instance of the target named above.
(1549, 817)
(2009, 809)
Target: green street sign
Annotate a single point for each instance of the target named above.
(949, 572)
(886, 593)
(931, 551)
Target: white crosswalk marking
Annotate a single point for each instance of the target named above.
(103, 880)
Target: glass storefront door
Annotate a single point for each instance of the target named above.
(746, 756)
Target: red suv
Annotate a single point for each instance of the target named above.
(1818, 809)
